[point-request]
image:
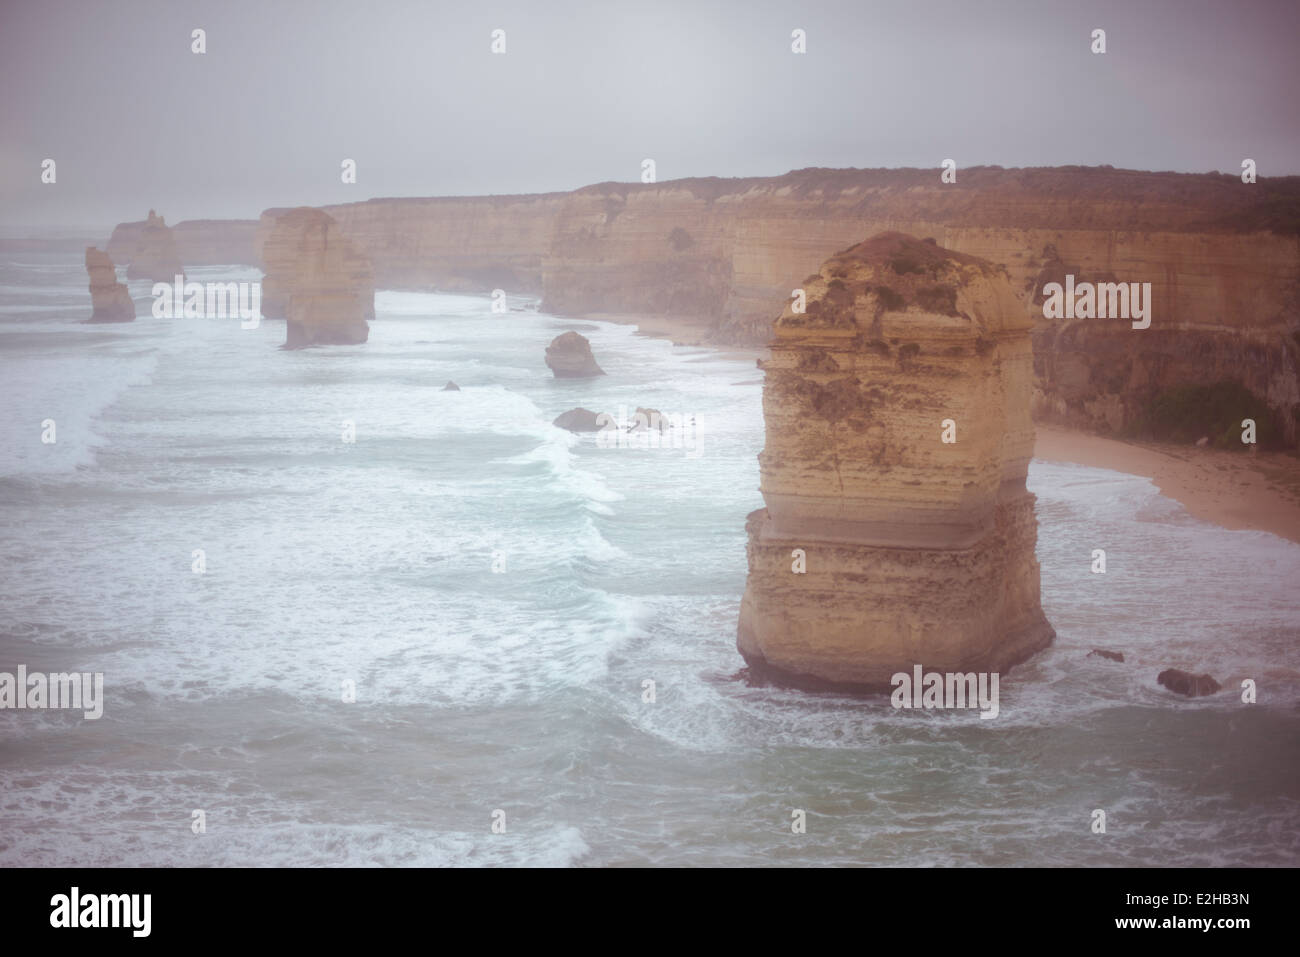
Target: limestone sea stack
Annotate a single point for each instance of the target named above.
(288, 245)
(882, 546)
(109, 299)
(317, 281)
(569, 357)
(155, 257)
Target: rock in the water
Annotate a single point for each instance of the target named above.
(155, 256)
(1186, 683)
(883, 546)
(1103, 653)
(579, 420)
(569, 357)
(318, 279)
(109, 299)
(451, 387)
(649, 420)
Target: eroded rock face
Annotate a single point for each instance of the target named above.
(569, 357)
(155, 257)
(913, 550)
(317, 281)
(110, 301)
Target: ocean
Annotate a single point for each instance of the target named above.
(497, 593)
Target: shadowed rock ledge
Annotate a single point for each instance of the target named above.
(913, 550)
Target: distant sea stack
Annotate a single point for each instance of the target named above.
(199, 242)
(883, 546)
(110, 301)
(317, 281)
(154, 256)
(569, 357)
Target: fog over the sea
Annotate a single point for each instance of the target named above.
(288, 89)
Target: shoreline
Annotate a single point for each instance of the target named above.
(680, 331)
(1236, 490)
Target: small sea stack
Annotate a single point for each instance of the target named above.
(898, 530)
(109, 299)
(569, 357)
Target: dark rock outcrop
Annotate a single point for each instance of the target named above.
(1186, 683)
(579, 420)
(1103, 653)
(569, 357)
(451, 387)
(110, 301)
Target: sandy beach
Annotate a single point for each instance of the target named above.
(1232, 489)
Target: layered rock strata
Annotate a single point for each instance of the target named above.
(883, 546)
(110, 301)
(569, 357)
(317, 281)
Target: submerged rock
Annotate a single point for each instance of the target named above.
(109, 299)
(451, 387)
(884, 546)
(1186, 683)
(569, 357)
(1102, 653)
(579, 420)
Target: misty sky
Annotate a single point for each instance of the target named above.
(586, 90)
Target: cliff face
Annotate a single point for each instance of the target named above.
(110, 301)
(1223, 259)
(883, 546)
(316, 280)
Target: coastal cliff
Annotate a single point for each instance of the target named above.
(1223, 258)
(897, 530)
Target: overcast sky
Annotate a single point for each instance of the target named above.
(586, 90)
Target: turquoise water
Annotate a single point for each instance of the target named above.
(521, 689)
